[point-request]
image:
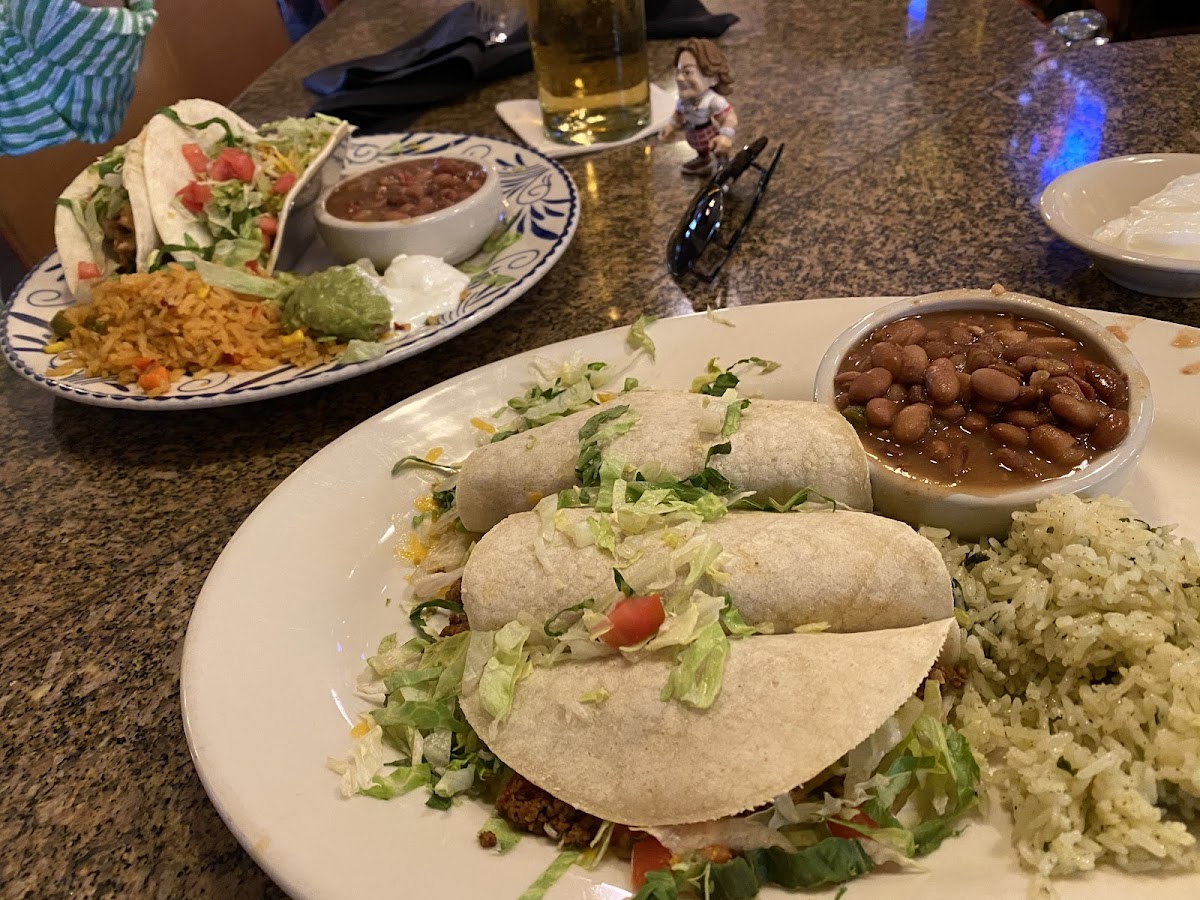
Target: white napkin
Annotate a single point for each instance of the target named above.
(525, 118)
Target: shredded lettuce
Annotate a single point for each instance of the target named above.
(594, 434)
(361, 351)
(550, 877)
(506, 836)
(699, 667)
(400, 781)
(637, 339)
(716, 381)
(509, 662)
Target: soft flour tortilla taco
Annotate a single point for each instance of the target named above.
(791, 706)
(779, 447)
(221, 189)
(852, 571)
(103, 225)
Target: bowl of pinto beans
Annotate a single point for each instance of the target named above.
(974, 404)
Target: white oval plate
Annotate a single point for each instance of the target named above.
(300, 597)
(542, 205)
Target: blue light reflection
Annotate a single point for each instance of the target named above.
(916, 17)
(1077, 132)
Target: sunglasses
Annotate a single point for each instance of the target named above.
(698, 229)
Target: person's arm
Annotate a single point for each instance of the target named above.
(67, 69)
(726, 121)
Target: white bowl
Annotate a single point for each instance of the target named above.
(987, 512)
(453, 233)
(1075, 204)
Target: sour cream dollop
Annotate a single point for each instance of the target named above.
(1165, 224)
(419, 287)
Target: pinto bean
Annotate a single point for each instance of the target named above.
(886, 355)
(1052, 366)
(973, 423)
(904, 332)
(916, 393)
(1063, 384)
(993, 384)
(1017, 461)
(1053, 443)
(881, 412)
(1054, 344)
(1026, 365)
(979, 359)
(871, 383)
(1083, 414)
(941, 382)
(1009, 435)
(938, 450)
(987, 407)
(937, 349)
(951, 413)
(845, 377)
(911, 423)
(1110, 386)
(897, 393)
(1111, 430)
(959, 336)
(1024, 418)
(1010, 336)
(915, 362)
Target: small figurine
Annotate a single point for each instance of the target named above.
(707, 118)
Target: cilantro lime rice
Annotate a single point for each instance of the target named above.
(1083, 703)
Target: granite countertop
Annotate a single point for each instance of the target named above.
(918, 137)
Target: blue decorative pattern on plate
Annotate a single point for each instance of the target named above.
(542, 208)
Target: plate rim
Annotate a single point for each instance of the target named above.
(310, 378)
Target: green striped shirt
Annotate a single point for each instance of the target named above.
(67, 70)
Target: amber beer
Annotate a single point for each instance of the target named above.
(592, 75)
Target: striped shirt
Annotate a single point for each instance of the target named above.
(67, 70)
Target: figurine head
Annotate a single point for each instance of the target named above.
(700, 65)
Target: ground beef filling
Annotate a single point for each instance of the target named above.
(952, 676)
(457, 625)
(119, 239)
(526, 807)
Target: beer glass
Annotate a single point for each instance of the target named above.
(589, 57)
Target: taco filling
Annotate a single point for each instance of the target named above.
(226, 188)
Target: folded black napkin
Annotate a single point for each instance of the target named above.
(387, 92)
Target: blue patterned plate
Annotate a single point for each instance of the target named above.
(542, 212)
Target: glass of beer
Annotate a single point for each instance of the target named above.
(589, 57)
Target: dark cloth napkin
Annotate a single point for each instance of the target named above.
(387, 92)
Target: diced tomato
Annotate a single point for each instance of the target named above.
(232, 163)
(269, 226)
(252, 265)
(634, 619)
(841, 831)
(196, 158)
(194, 196)
(88, 270)
(648, 855)
(142, 363)
(219, 170)
(284, 183)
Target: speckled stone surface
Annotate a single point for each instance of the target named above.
(915, 151)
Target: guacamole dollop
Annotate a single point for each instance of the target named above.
(342, 302)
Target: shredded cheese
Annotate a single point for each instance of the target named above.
(360, 730)
(434, 454)
(483, 426)
(414, 550)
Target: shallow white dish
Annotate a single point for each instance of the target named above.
(1078, 202)
(542, 211)
(299, 597)
(453, 233)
